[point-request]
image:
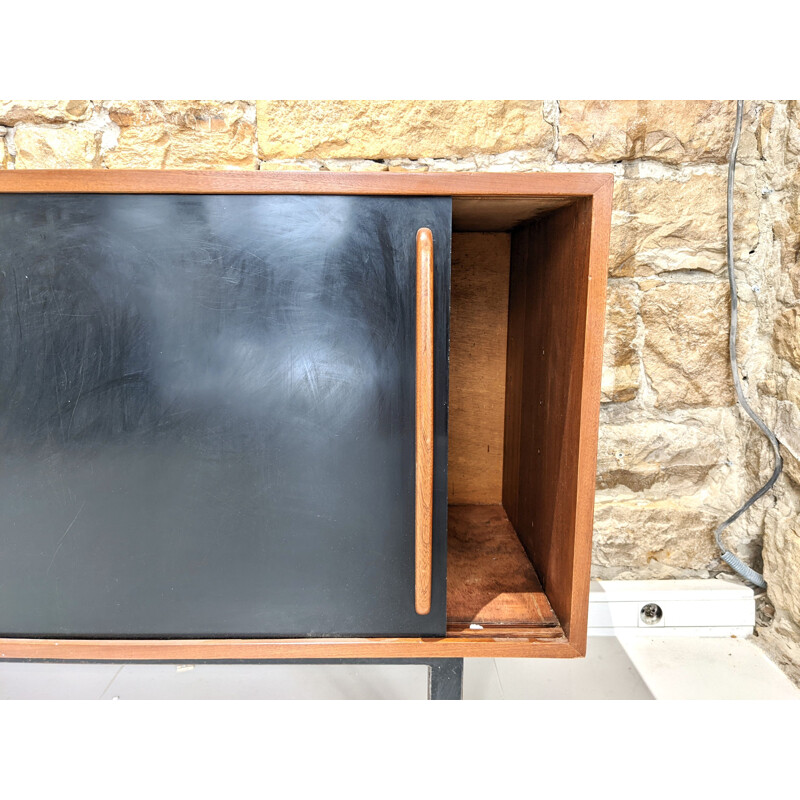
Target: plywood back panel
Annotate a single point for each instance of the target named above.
(478, 334)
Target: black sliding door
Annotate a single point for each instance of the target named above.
(207, 415)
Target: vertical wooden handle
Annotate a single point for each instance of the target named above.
(424, 424)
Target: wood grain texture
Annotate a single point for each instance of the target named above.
(554, 365)
(535, 186)
(490, 579)
(505, 632)
(478, 330)
(592, 365)
(547, 644)
(424, 423)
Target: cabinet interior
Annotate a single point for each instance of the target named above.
(517, 298)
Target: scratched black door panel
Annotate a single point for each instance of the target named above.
(207, 415)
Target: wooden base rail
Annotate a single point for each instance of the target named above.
(187, 650)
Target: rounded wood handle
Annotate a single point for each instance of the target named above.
(424, 424)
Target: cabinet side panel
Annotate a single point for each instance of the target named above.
(517, 305)
(549, 281)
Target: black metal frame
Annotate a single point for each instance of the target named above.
(445, 675)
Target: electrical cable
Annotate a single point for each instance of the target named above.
(748, 573)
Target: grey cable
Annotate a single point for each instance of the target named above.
(748, 573)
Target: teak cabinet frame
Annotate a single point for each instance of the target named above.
(560, 226)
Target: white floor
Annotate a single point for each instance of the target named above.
(615, 669)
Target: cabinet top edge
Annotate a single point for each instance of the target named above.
(462, 184)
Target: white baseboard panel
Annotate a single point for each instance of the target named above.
(692, 607)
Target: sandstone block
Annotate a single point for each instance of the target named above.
(620, 357)
(66, 147)
(41, 112)
(782, 643)
(182, 135)
(787, 430)
(793, 116)
(671, 131)
(665, 225)
(202, 115)
(634, 531)
(791, 466)
(641, 454)
(786, 335)
(791, 390)
(786, 223)
(372, 129)
(782, 562)
(685, 350)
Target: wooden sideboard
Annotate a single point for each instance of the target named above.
(255, 416)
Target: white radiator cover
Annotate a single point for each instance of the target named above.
(692, 607)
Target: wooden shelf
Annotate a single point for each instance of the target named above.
(490, 580)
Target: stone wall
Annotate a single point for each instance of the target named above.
(676, 454)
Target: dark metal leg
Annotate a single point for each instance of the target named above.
(445, 675)
(445, 678)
